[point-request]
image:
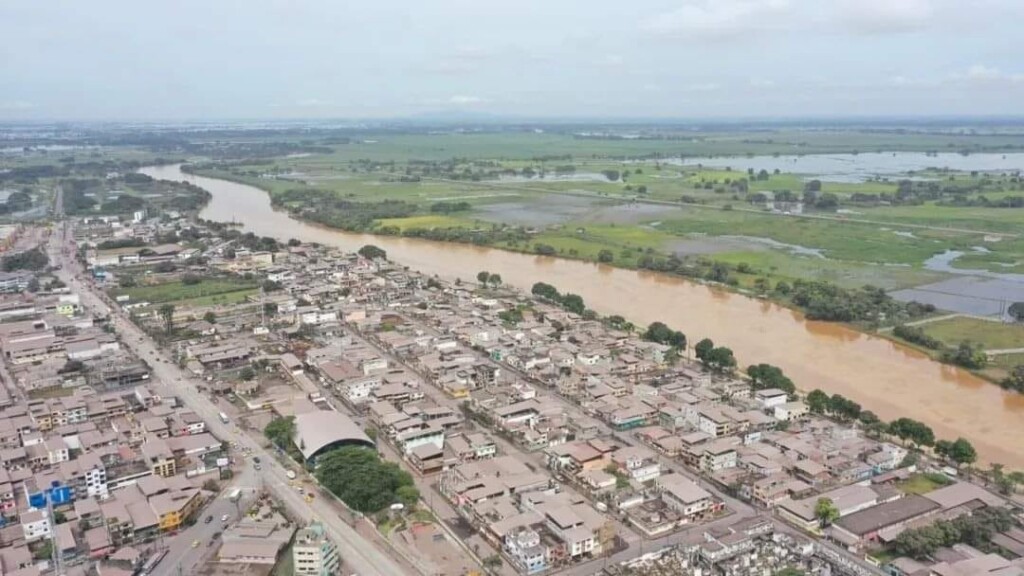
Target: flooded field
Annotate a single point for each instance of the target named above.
(559, 209)
(861, 167)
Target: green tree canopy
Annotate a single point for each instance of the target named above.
(281, 431)
(703, 348)
(826, 511)
(373, 252)
(764, 376)
(359, 477)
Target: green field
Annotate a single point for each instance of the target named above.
(209, 291)
(923, 483)
(990, 335)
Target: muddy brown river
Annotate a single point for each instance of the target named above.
(887, 378)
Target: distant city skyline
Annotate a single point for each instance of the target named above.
(660, 59)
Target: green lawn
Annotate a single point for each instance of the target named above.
(177, 291)
(991, 335)
(922, 483)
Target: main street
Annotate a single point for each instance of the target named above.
(359, 555)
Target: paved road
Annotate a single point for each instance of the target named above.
(358, 554)
(181, 557)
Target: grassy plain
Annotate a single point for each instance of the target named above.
(196, 294)
(990, 335)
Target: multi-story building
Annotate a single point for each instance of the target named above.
(313, 553)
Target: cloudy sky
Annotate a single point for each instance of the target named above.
(223, 59)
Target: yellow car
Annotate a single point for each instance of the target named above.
(195, 543)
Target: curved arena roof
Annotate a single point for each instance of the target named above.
(319, 431)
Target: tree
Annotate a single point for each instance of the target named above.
(573, 303)
(359, 477)
(912, 430)
(34, 259)
(294, 242)
(495, 280)
(962, 452)
(371, 252)
(605, 256)
(546, 291)
(1016, 311)
(1015, 380)
(482, 277)
(967, 355)
(544, 249)
(281, 431)
(843, 408)
(210, 317)
(826, 511)
(166, 312)
(702, 349)
(33, 285)
(720, 359)
(408, 495)
(764, 376)
(817, 401)
(247, 373)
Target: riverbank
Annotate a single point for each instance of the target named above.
(856, 308)
(889, 379)
(626, 247)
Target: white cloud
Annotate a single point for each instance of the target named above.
(761, 83)
(709, 19)
(464, 100)
(886, 16)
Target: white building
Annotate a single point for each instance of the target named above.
(771, 397)
(35, 525)
(410, 439)
(313, 554)
(684, 496)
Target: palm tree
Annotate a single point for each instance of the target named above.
(167, 313)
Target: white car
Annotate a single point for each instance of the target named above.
(224, 518)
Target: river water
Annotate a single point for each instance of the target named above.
(887, 378)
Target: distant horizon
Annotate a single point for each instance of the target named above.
(497, 119)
